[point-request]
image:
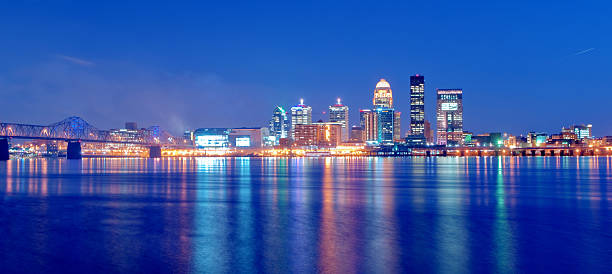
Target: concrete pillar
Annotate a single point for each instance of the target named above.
(497, 153)
(533, 152)
(524, 152)
(479, 152)
(462, 152)
(444, 152)
(155, 152)
(542, 152)
(428, 153)
(4, 150)
(552, 152)
(74, 150)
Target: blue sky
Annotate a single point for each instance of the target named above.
(523, 66)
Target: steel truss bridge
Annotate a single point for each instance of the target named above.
(75, 130)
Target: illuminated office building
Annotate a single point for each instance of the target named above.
(339, 113)
(383, 96)
(279, 125)
(368, 123)
(212, 137)
(300, 115)
(450, 117)
(582, 131)
(385, 123)
(417, 105)
(397, 135)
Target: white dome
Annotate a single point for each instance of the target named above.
(383, 84)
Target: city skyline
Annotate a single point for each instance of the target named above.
(137, 69)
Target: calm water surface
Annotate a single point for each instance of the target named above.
(220, 215)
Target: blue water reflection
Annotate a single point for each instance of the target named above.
(338, 215)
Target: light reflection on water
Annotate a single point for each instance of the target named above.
(345, 215)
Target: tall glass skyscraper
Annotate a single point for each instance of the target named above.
(450, 117)
(279, 124)
(417, 105)
(300, 115)
(386, 122)
(339, 113)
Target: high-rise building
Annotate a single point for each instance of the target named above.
(417, 105)
(279, 124)
(339, 113)
(383, 97)
(397, 134)
(385, 121)
(429, 133)
(450, 116)
(369, 124)
(300, 115)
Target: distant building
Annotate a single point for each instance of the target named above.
(246, 137)
(535, 139)
(318, 135)
(385, 121)
(397, 126)
(339, 113)
(383, 96)
(300, 115)
(131, 126)
(450, 116)
(417, 105)
(581, 131)
(369, 124)
(212, 137)
(429, 133)
(279, 125)
(357, 134)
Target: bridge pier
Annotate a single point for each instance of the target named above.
(155, 152)
(428, 153)
(4, 149)
(73, 151)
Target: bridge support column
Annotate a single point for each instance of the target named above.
(428, 153)
(155, 152)
(4, 150)
(73, 150)
(444, 152)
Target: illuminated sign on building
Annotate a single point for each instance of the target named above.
(211, 141)
(243, 141)
(449, 106)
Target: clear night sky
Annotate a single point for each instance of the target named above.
(523, 66)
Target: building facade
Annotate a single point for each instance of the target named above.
(417, 105)
(449, 117)
(397, 128)
(279, 124)
(385, 121)
(369, 124)
(300, 115)
(339, 113)
(383, 96)
(318, 135)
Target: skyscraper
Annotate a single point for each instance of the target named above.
(450, 116)
(417, 105)
(300, 115)
(279, 124)
(368, 123)
(385, 121)
(397, 135)
(383, 97)
(339, 113)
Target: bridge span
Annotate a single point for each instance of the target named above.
(74, 130)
